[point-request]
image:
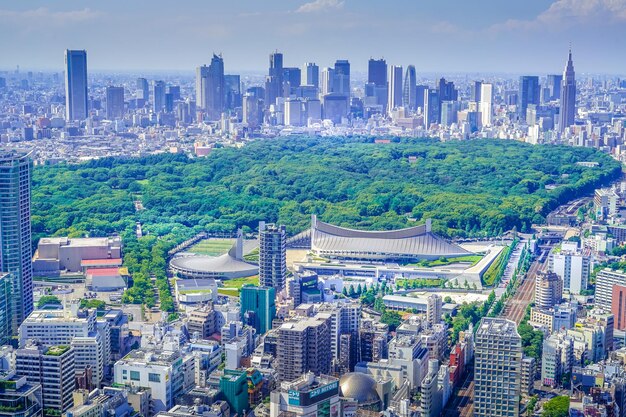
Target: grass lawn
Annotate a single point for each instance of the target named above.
(212, 247)
(473, 259)
(253, 256)
(143, 182)
(231, 287)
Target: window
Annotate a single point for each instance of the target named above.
(134, 376)
(154, 377)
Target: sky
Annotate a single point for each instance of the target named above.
(489, 36)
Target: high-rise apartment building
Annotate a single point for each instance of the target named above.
(395, 88)
(409, 89)
(548, 290)
(311, 74)
(272, 255)
(76, 96)
(90, 338)
(606, 282)
(258, 307)
(528, 94)
(433, 309)
(304, 346)
(567, 113)
(498, 366)
(115, 102)
(572, 266)
(15, 232)
(52, 368)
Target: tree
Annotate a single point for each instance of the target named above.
(379, 305)
(556, 407)
(447, 299)
(344, 291)
(391, 318)
(48, 300)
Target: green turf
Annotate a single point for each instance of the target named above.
(212, 247)
(232, 286)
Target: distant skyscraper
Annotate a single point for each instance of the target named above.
(258, 307)
(311, 74)
(409, 90)
(251, 111)
(554, 82)
(567, 113)
(327, 81)
(274, 81)
(174, 90)
(432, 107)
(211, 89)
(291, 79)
(475, 91)
(342, 77)
(498, 368)
(143, 89)
(232, 85)
(158, 93)
(447, 91)
(419, 96)
(486, 103)
(115, 102)
(272, 256)
(528, 94)
(15, 232)
(75, 85)
(395, 88)
(377, 72)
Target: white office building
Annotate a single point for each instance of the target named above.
(572, 266)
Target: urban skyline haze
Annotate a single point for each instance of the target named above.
(446, 35)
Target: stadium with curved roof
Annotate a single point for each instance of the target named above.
(410, 244)
(227, 266)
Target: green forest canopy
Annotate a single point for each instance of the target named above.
(468, 188)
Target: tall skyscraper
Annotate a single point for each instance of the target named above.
(486, 103)
(432, 107)
(272, 255)
(143, 89)
(342, 77)
(311, 74)
(251, 111)
(447, 91)
(498, 368)
(291, 80)
(274, 81)
(158, 93)
(211, 88)
(409, 90)
(327, 81)
(554, 82)
(377, 72)
(475, 91)
(15, 232)
(528, 94)
(115, 102)
(232, 86)
(258, 307)
(395, 88)
(75, 85)
(567, 113)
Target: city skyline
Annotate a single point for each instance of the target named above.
(512, 37)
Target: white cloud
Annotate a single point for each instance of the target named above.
(320, 6)
(567, 13)
(53, 17)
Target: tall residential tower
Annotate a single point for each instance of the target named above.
(15, 232)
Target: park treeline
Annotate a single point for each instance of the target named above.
(469, 188)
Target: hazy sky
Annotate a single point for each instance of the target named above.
(435, 35)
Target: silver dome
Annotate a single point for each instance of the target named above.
(359, 387)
